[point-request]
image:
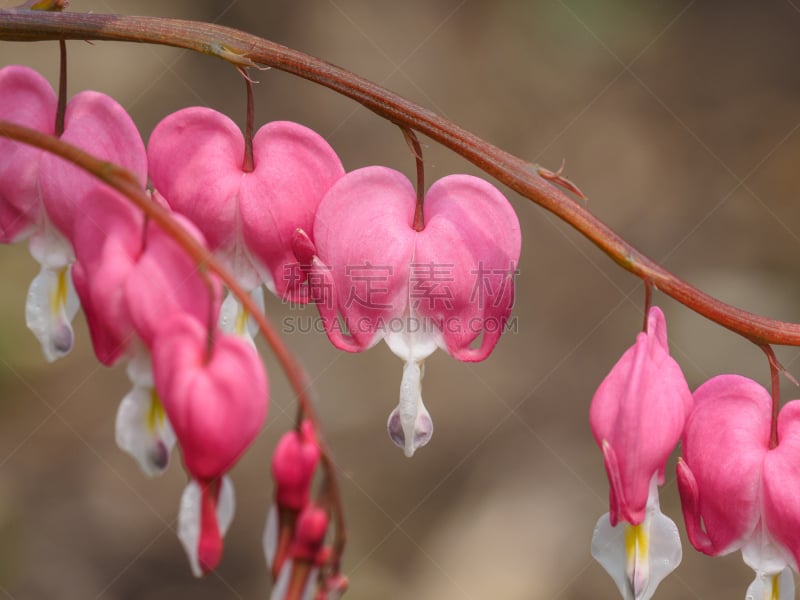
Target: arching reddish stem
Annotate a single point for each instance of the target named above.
(246, 50)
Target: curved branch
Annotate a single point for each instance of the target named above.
(245, 50)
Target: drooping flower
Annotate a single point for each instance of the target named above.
(739, 487)
(97, 124)
(214, 391)
(443, 286)
(26, 98)
(196, 158)
(293, 465)
(637, 417)
(133, 279)
(41, 195)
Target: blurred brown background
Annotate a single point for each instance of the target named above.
(678, 119)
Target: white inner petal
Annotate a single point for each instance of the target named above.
(189, 525)
(638, 557)
(143, 430)
(238, 261)
(226, 505)
(49, 248)
(190, 514)
(410, 425)
(761, 554)
(281, 586)
(411, 340)
(140, 368)
(50, 307)
(270, 538)
(235, 319)
(52, 302)
(778, 586)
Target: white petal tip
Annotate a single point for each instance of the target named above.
(422, 431)
(143, 431)
(638, 557)
(777, 586)
(51, 305)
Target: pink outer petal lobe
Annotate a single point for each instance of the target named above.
(216, 404)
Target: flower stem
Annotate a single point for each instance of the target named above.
(416, 150)
(61, 109)
(775, 369)
(648, 302)
(248, 165)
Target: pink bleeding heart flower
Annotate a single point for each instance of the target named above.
(442, 287)
(196, 160)
(293, 465)
(215, 395)
(299, 574)
(132, 280)
(41, 194)
(637, 417)
(97, 124)
(739, 489)
(26, 98)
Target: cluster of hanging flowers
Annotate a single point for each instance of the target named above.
(277, 210)
(382, 260)
(738, 476)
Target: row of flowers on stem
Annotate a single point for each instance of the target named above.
(261, 205)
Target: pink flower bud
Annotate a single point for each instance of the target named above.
(309, 534)
(293, 465)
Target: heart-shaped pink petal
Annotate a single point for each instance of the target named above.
(214, 393)
(196, 157)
